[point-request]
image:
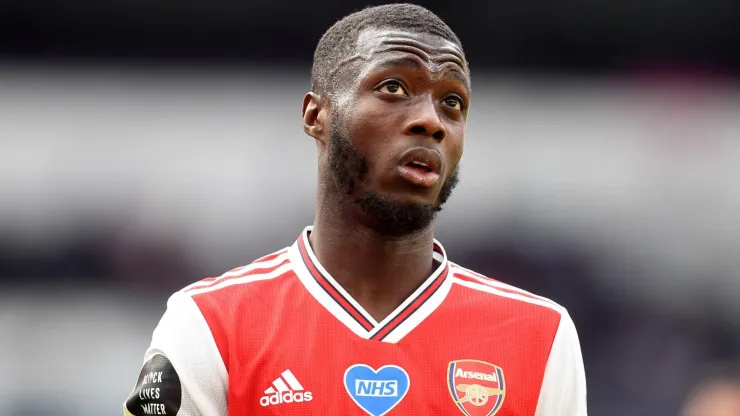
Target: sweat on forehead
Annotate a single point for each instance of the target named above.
(341, 40)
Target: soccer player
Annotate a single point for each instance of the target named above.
(364, 313)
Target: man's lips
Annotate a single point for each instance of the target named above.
(421, 166)
(423, 159)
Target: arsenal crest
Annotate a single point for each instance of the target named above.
(477, 387)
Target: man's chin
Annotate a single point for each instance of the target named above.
(394, 216)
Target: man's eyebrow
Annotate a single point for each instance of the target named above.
(410, 62)
(460, 76)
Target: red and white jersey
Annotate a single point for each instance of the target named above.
(280, 336)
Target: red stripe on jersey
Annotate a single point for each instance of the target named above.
(330, 289)
(259, 270)
(413, 306)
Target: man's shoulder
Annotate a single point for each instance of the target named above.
(233, 282)
(215, 304)
(495, 291)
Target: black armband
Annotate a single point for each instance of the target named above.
(158, 390)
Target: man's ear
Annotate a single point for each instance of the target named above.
(315, 116)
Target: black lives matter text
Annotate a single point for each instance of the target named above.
(158, 390)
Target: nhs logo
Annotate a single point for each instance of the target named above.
(376, 391)
(376, 388)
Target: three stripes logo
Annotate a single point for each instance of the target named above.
(285, 389)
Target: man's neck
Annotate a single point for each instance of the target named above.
(379, 272)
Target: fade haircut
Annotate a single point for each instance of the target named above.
(340, 41)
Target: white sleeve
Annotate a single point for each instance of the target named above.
(563, 391)
(183, 372)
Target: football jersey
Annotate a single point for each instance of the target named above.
(281, 337)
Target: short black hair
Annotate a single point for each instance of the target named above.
(340, 40)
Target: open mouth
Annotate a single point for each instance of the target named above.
(419, 166)
(422, 159)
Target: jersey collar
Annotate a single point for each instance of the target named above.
(337, 301)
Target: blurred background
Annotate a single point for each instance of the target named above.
(147, 144)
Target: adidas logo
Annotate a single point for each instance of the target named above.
(280, 392)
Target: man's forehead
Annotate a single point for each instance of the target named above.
(373, 41)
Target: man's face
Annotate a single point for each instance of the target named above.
(397, 130)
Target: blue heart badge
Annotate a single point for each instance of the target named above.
(376, 392)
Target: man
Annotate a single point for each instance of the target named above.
(364, 314)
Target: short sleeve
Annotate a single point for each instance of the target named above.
(183, 372)
(563, 391)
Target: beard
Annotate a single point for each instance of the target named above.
(387, 216)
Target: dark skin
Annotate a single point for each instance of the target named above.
(404, 90)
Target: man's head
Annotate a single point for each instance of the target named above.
(389, 102)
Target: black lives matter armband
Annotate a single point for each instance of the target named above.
(158, 390)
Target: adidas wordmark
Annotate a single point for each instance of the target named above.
(280, 392)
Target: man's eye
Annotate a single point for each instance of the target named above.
(393, 87)
(454, 102)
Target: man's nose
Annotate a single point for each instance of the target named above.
(425, 120)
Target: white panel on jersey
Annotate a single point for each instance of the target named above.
(563, 391)
(183, 336)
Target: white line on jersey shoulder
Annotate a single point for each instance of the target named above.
(280, 271)
(498, 292)
(261, 259)
(496, 284)
(283, 255)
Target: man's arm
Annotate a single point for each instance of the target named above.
(183, 372)
(563, 391)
